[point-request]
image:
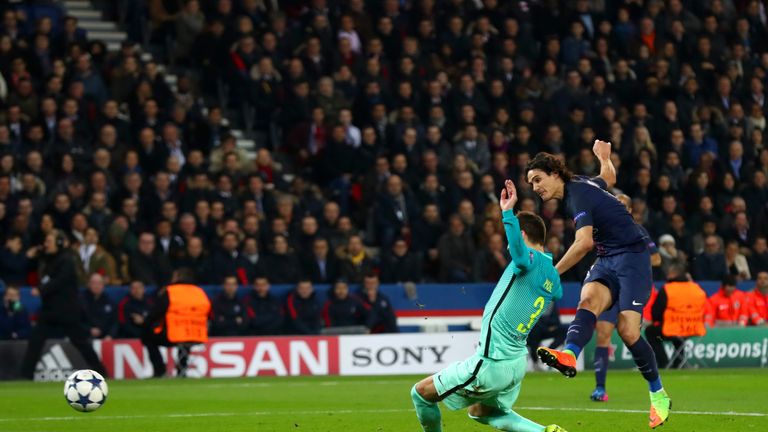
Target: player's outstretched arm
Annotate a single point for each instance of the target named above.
(602, 150)
(580, 247)
(517, 248)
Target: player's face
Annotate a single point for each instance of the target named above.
(545, 185)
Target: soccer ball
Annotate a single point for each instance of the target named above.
(85, 390)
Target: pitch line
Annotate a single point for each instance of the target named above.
(631, 411)
(363, 411)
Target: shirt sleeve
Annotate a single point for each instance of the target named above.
(600, 182)
(652, 247)
(580, 208)
(558, 294)
(521, 255)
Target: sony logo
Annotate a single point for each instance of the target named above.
(390, 356)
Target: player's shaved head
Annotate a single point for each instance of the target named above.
(533, 227)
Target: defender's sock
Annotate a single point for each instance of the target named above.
(427, 412)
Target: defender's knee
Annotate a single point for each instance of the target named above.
(420, 388)
(479, 412)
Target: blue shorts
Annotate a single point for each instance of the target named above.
(627, 275)
(611, 315)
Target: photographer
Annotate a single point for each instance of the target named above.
(59, 311)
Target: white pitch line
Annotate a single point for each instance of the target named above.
(192, 415)
(364, 411)
(631, 411)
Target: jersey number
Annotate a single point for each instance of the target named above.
(539, 305)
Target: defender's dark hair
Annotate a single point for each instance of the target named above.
(533, 226)
(549, 163)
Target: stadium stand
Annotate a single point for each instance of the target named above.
(327, 139)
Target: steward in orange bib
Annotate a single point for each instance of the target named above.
(677, 313)
(179, 318)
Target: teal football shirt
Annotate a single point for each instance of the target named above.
(529, 284)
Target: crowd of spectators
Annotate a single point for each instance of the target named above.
(383, 132)
(259, 313)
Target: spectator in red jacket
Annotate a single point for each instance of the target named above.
(132, 311)
(229, 314)
(342, 309)
(757, 301)
(303, 310)
(726, 307)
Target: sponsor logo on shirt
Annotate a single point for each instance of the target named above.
(576, 218)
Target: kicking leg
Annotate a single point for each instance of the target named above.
(595, 298)
(425, 399)
(629, 330)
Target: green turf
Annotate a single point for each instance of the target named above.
(352, 404)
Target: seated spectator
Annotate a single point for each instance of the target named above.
(400, 264)
(677, 312)
(395, 209)
(758, 261)
(380, 313)
(670, 254)
(303, 310)
(197, 260)
(229, 316)
(710, 264)
(132, 311)
(265, 311)
(355, 262)
(342, 309)
(147, 265)
(757, 301)
(708, 228)
(99, 314)
(726, 306)
(427, 232)
(319, 265)
(14, 320)
(736, 262)
(14, 262)
(229, 261)
(456, 252)
(492, 260)
(95, 259)
(282, 265)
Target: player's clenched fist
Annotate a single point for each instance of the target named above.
(602, 149)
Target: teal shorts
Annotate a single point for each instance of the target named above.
(494, 383)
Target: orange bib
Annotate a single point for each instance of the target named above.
(684, 316)
(187, 316)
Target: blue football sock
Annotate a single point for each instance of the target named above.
(427, 412)
(580, 331)
(601, 366)
(646, 363)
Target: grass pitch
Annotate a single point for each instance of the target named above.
(703, 400)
